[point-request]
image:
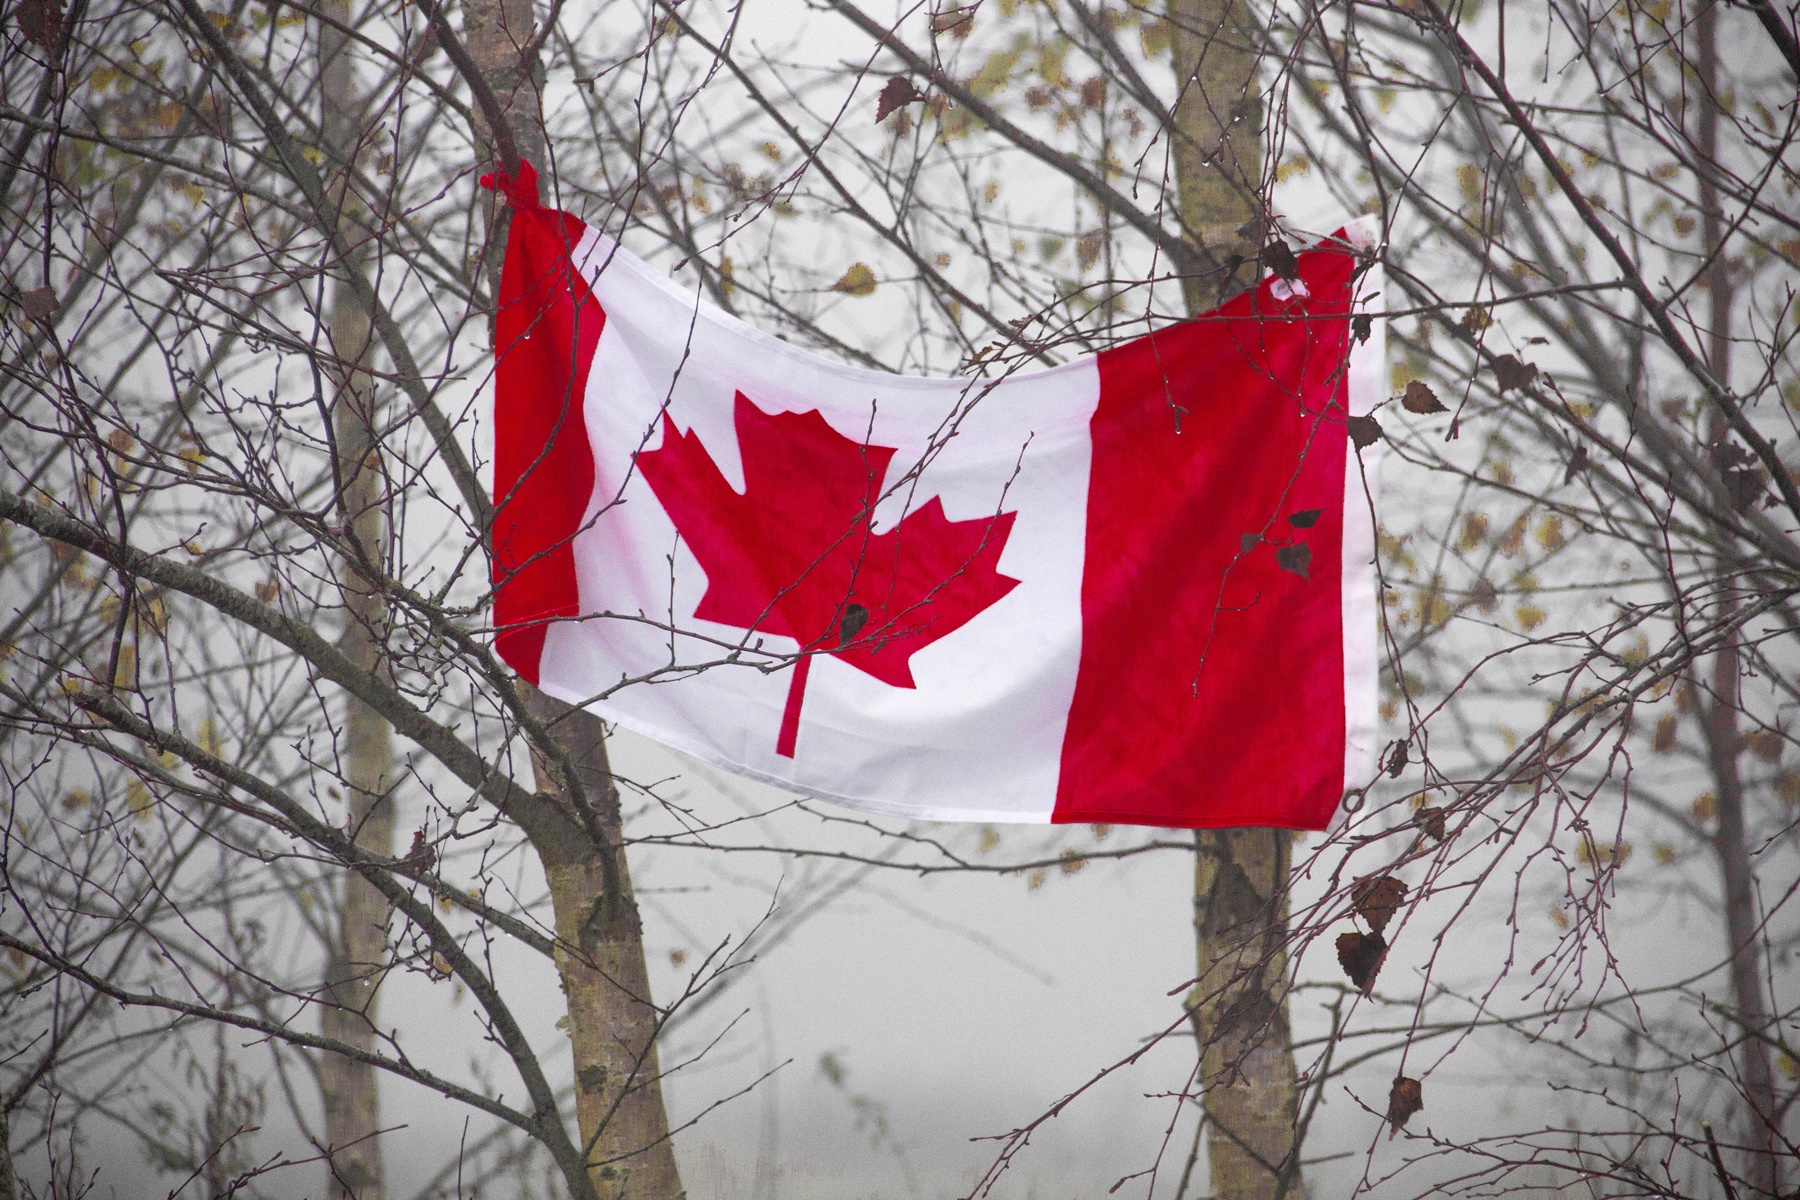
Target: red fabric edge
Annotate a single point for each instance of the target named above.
(546, 326)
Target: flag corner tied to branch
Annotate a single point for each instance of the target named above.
(1134, 588)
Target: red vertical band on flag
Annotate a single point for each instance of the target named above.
(1210, 690)
(545, 331)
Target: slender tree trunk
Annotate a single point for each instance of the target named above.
(600, 943)
(9, 1185)
(1250, 1094)
(1724, 742)
(600, 955)
(352, 1104)
(1240, 1012)
(1217, 142)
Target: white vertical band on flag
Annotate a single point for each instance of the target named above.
(1367, 388)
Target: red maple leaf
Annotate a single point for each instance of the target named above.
(794, 555)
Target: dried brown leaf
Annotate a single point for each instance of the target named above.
(41, 21)
(1377, 898)
(1364, 432)
(1295, 559)
(1361, 955)
(1277, 257)
(1405, 1099)
(898, 93)
(1396, 758)
(1510, 373)
(1419, 398)
(1430, 819)
(39, 304)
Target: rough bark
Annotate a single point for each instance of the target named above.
(1217, 142)
(1240, 1012)
(354, 970)
(612, 1021)
(1250, 1094)
(600, 956)
(9, 1185)
(1723, 736)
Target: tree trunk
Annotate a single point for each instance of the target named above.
(354, 970)
(1240, 1012)
(9, 1185)
(1724, 743)
(612, 1021)
(600, 955)
(1250, 1095)
(1217, 142)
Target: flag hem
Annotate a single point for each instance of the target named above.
(1360, 634)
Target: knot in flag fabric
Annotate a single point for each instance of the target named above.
(1133, 588)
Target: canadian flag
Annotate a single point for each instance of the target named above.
(1137, 587)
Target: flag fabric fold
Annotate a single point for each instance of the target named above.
(1134, 588)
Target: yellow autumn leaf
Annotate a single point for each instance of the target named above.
(1294, 164)
(859, 280)
(208, 737)
(1434, 609)
(1474, 531)
(1514, 538)
(1468, 178)
(1662, 740)
(154, 613)
(1604, 855)
(1529, 616)
(1637, 652)
(125, 673)
(1051, 59)
(1154, 36)
(139, 799)
(994, 72)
